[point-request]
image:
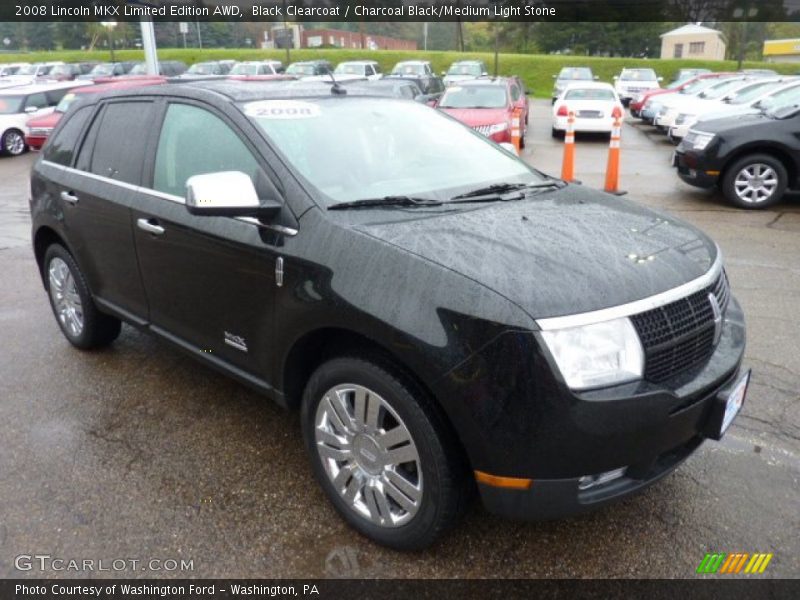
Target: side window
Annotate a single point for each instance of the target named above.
(368, 70)
(62, 147)
(193, 142)
(514, 93)
(36, 101)
(55, 96)
(118, 150)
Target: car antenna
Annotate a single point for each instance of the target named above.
(336, 89)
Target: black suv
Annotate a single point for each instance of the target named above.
(444, 316)
(753, 158)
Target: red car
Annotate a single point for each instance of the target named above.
(40, 128)
(488, 105)
(637, 103)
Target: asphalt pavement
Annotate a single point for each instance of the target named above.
(137, 452)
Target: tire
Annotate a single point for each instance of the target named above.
(767, 170)
(556, 133)
(351, 455)
(83, 325)
(13, 143)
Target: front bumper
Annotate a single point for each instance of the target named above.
(694, 169)
(535, 428)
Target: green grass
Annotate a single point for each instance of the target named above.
(535, 69)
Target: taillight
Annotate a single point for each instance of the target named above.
(617, 112)
(562, 111)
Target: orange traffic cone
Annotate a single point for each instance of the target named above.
(612, 167)
(568, 164)
(516, 131)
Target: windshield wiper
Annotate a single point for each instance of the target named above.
(386, 201)
(496, 191)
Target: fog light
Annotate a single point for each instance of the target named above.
(590, 481)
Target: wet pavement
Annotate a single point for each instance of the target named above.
(139, 453)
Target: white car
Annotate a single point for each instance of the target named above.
(31, 72)
(252, 68)
(595, 106)
(11, 68)
(673, 104)
(631, 82)
(464, 70)
(19, 104)
(746, 100)
(365, 69)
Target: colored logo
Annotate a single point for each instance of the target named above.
(737, 562)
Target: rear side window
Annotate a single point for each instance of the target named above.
(36, 101)
(194, 142)
(62, 147)
(119, 144)
(55, 96)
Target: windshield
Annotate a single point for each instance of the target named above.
(576, 74)
(720, 89)
(28, 70)
(103, 69)
(638, 75)
(10, 105)
(203, 69)
(589, 94)
(784, 111)
(465, 69)
(298, 69)
(474, 96)
(349, 69)
(61, 70)
(138, 69)
(65, 103)
(752, 92)
(357, 148)
(408, 69)
(245, 69)
(780, 98)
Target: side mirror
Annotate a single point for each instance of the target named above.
(444, 73)
(660, 79)
(616, 76)
(226, 194)
(484, 74)
(597, 77)
(528, 92)
(554, 76)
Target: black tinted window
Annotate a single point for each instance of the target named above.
(63, 145)
(121, 135)
(55, 96)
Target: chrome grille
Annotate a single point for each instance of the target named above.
(482, 129)
(680, 335)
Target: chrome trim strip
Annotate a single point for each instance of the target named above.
(288, 231)
(638, 306)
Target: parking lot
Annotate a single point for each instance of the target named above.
(137, 452)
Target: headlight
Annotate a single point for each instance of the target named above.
(700, 139)
(598, 354)
(496, 128)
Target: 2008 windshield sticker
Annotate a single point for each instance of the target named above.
(281, 109)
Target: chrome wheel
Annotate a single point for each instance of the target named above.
(369, 455)
(65, 297)
(755, 183)
(14, 143)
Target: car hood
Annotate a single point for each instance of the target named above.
(475, 117)
(737, 122)
(566, 252)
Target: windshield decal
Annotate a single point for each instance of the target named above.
(282, 109)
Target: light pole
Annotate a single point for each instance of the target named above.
(110, 25)
(747, 12)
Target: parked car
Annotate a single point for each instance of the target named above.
(595, 107)
(422, 71)
(743, 100)
(39, 128)
(106, 71)
(310, 68)
(631, 82)
(432, 87)
(444, 316)
(166, 68)
(760, 72)
(685, 74)
(569, 75)
(203, 70)
(390, 88)
(19, 104)
(463, 70)
(487, 106)
(30, 73)
(689, 86)
(368, 69)
(11, 68)
(672, 106)
(752, 158)
(254, 68)
(69, 71)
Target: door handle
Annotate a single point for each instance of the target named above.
(69, 197)
(150, 226)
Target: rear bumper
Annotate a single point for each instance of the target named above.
(35, 142)
(602, 125)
